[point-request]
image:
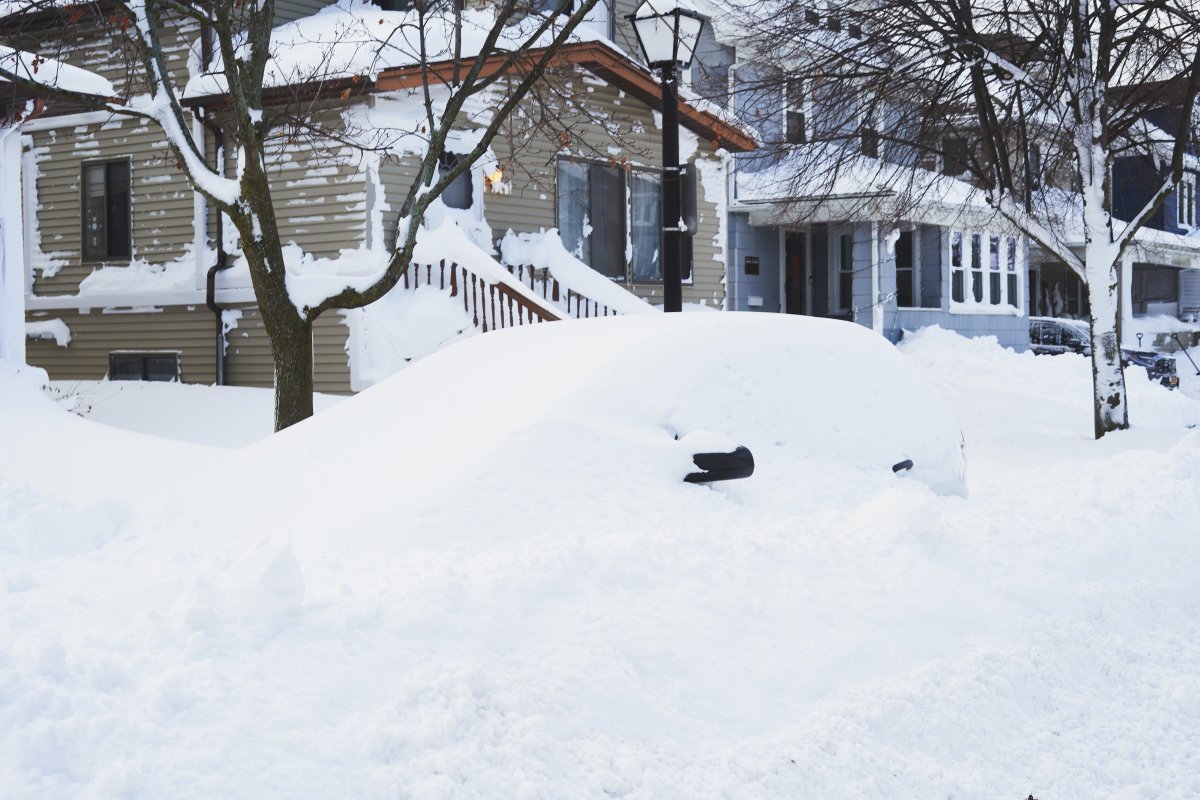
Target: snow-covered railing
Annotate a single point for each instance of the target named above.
(491, 305)
(541, 281)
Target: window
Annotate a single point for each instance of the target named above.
(592, 221)
(645, 225)
(153, 366)
(1185, 196)
(845, 273)
(459, 194)
(954, 155)
(797, 107)
(957, 278)
(906, 273)
(994, 277)
(105, 204)
(1010, 251)
(1035, 166)
(396, 5)
(870, 111)
(591, 197)
(976, 267)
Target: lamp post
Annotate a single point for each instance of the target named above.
(668, 32)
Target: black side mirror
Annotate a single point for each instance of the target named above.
(722, 466)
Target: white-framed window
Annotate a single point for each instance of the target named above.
(908, 277)
(975, 256)
(993, 264)
(1012, 259)
(957, 268)
(844, 273)
(797, 110)
(995, 279)
(1185, 196)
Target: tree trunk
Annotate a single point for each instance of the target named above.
(292, 349)
(1110, 411)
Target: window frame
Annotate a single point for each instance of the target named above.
(1185, 201)
(987, 280)
(85, 256)
(794, 107)
(144, 356)
(914, 267)
(691, 216)
(843, 270)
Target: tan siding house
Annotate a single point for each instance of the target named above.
(149, 294)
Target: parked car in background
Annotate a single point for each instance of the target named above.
(1053, 336)
(1050, 336)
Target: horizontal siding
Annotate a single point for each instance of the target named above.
(85, 43)
(248, 360)
(618, 128)
(191, 330)
(319, 188)
(161, 199)
(288, 10)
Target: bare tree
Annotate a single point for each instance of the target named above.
(1031, 101)
(505, 54)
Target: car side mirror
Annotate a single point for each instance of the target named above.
(722, 466)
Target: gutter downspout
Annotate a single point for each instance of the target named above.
(222, 263)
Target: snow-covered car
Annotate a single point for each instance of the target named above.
(611, 408)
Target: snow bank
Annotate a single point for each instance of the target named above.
(218, 416)
(501, 588)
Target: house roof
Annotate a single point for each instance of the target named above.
(602, 60)
(352, 48)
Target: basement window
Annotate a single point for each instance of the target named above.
(105, 221)
(143, 366)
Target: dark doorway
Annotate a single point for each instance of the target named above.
(795, 254)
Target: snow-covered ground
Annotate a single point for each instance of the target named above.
(505, 591)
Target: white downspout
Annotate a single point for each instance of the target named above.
(12, 249)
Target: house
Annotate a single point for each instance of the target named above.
(839, 217)
(130, 273)
(845, 243)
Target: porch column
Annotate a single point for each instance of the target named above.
(12, 250)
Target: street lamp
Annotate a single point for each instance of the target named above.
(668, 32)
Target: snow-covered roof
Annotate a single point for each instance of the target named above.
(54, 74)
(353, 39)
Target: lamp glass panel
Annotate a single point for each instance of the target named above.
(689, 37)
(656, 38)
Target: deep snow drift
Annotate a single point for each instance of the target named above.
(473, 595)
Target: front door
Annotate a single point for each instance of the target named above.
(795, 285)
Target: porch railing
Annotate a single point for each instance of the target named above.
(540, 281)
(492, 305)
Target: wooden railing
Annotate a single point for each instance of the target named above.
(491, 305)
(542, 282)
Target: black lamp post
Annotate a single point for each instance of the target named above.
(668, 32)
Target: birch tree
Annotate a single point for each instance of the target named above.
(499, 52)
(1031, 101)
